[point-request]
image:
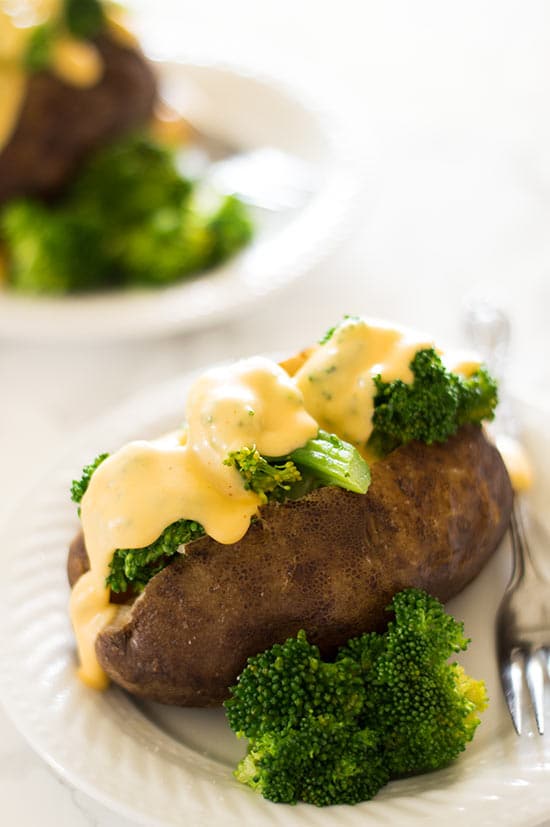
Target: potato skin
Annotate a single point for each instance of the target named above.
(329, 563)
(60, 124)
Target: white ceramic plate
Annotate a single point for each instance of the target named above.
(250, 110)
(167, 766)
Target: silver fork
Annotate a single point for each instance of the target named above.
(523, 629)
(523, 617)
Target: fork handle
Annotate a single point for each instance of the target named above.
(523, 562)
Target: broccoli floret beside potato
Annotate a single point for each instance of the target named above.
(335, 732)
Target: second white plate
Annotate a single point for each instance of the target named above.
(249, 110)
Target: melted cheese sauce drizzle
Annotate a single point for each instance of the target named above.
(336, 379)
(76, 62)
(137, 492)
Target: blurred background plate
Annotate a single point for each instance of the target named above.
(248, 111)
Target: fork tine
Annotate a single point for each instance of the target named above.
(512, 685)
(535, 683)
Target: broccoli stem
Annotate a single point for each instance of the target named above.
(333, 462)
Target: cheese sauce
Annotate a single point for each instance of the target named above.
(137, 492)
(336, 379)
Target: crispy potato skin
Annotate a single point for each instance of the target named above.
(329, 563)
(60, 124)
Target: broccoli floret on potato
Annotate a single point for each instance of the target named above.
(432, 407)
(134, 567)
(336, 732)
(324, 460)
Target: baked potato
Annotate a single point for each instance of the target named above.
(60, 123)
(329, 562)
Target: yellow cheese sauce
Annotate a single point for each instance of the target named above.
(336, 378)
(77, 62)
(516, 461)
(140, 490)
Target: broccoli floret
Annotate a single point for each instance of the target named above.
(324, 762)
(51, 250)
(324, 460)
(168, 245)
(39, 46)
(269, 481)
(126, 182)
(423, 709)
(133, 568)
(229, 229)
(127, 218)
(288, 683)
(432, 407)
(335, 732)
(83, 18)
(79, 487)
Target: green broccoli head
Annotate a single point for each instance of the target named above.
(83, 18)
(424, 709)
(432, 407)
(335, 732)
(325, 762)
(289, 682)
(270, 480)
(132, 568)
(50, 250)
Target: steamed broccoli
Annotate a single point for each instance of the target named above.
(324, 762)
(332, 461)
(83, 18)
(271, 481)
(133, 568)
(127, 218)
(289, 683)
(324, 460)
(336, 732)
(432, 407)
(51, 250)
(38, 51)
(424, 709)
(79, 487)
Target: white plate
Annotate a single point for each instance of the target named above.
(166, 766)
(250, 110)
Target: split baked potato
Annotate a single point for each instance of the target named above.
(329, 562)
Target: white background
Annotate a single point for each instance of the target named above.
(452, 106)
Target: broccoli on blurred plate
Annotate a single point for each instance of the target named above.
(128, 218)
